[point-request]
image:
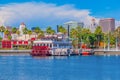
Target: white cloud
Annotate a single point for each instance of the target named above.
(42, 13)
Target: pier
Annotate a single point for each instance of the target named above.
(61, 52)
(106, 52)
(15, 52)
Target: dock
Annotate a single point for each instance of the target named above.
(15, 52)
(61, 52)
(106, 52)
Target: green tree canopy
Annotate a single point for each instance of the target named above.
(37, 30)
(25, 30)
(2, 28)
(0, 38)
(62, 30)
(18, 32)
(6, 32)
(29, 33)
(9, 37)
(40, 35)
(49, 30)
(14, 30)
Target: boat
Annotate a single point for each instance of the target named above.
(86, 52)
(52, 45)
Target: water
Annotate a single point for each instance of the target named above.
(60, 68)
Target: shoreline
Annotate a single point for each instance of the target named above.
(27, 52)
(14, 52)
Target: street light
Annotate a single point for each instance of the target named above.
(109, 37)
(108, 41)
(104, 41)
(116, 42)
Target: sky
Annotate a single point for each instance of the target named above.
(45, 13)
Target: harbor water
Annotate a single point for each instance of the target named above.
(60, 68)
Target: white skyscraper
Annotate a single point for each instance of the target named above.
(93, 25)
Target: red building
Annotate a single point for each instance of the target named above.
(11, 44)
(6, 44)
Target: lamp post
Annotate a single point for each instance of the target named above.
(109, 37)
(108, 41)
(116, 42)
(104, 41)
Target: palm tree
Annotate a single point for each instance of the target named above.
(25, 31)
(9, 37)
(6, 32)
(117, 35)
(30, 33)
(62, 29)
(49, 30)
(18, 32)
(14, 30)
(99, 34)
(0, 38)
(2, 29)
(73, 35)
(37, 30)
(40, 35)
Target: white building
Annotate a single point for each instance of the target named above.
(22, 26)
(23, 37)
(73, 24)
(93, 25)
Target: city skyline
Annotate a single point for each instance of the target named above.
(51, 13)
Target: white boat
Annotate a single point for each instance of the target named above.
(52, 45)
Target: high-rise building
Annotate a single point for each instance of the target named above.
(93, 25)
(72, 24)
(108, 24)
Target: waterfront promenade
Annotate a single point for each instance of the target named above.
(14, 52)
(112, 51)
(27, 52)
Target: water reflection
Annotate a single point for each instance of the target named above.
(60, 68)
(51, 57)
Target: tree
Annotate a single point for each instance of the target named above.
(73, 35)
(25, 31)
(6, 32)
(62, 29)
(92, 39)
(2, 29)
(79, 35)
(0, 38)
(117, 33)
(85, 35)
(18, 32)
(30, 33)
(112, 39)
(37, 30)
(49, 30)
(40, 35)
(9, 37)
(14, 30)
(99, 34)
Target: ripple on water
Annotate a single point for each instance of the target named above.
(60, 68)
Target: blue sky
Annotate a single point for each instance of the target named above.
(90, 8)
